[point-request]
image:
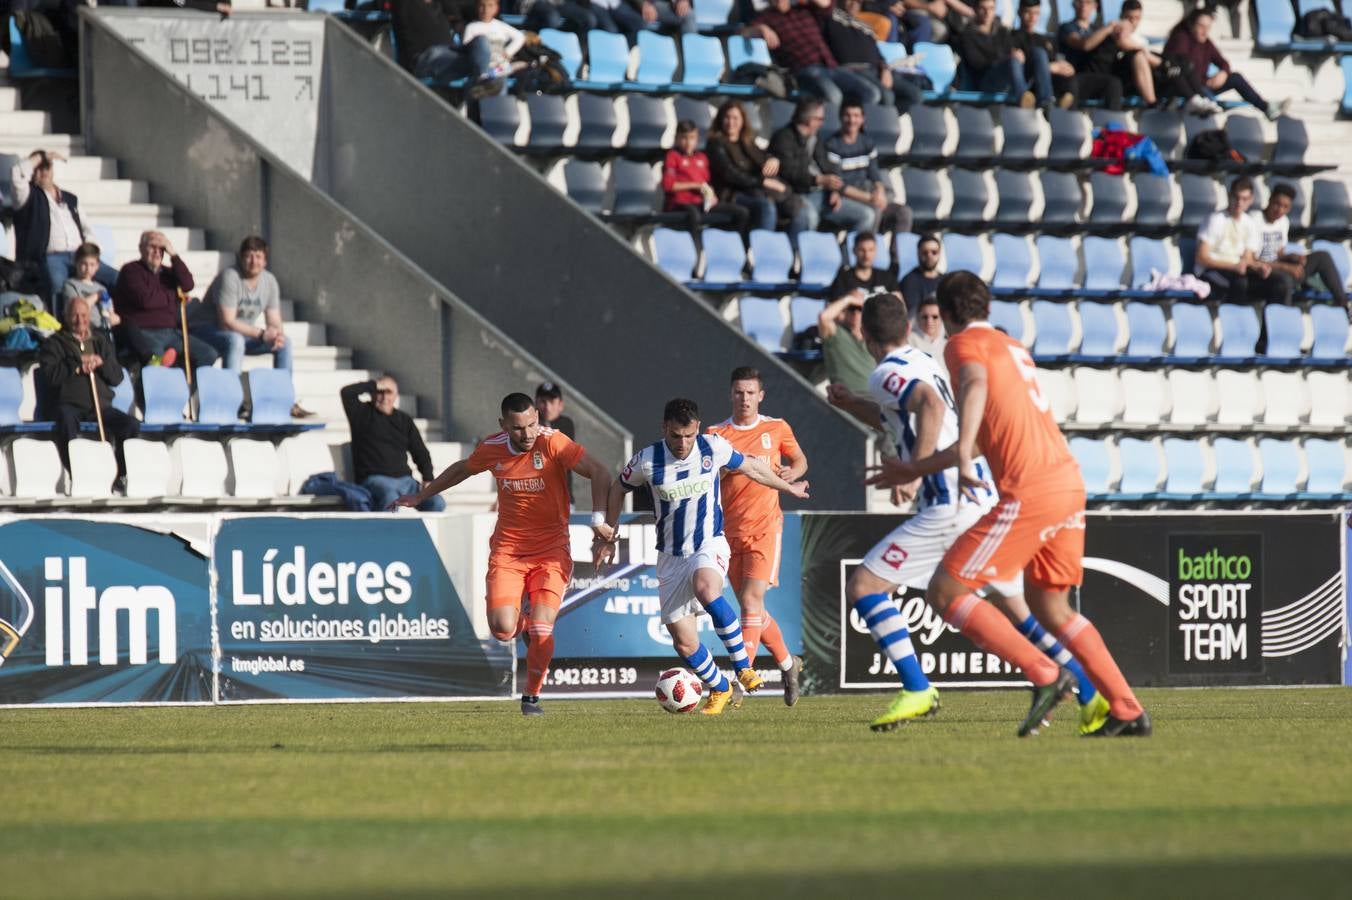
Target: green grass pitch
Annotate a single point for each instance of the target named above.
(1240, 793)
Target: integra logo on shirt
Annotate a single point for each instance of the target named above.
(522, 485)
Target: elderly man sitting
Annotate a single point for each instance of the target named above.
(147, 297)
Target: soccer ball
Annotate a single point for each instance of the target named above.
(678, 690)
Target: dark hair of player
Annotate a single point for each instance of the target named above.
(680, 411)
(516, 403)
(1240, 184)
(1130, 6)
(885, 319)
(1285, 190)
(745, 373)
(963, 297)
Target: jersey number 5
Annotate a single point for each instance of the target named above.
(1028, 371)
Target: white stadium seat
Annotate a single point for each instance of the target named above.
(1099, 396)
(1240, 402)
(1059, 390)
(37, 469)
(1145, 397)
(148, 469)
(92, 469)
(1286, 399)
(301, 456)
(254, 469)
(200, 466)
(1328, 399)
(1192, 397)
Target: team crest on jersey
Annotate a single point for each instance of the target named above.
(706, 463)
(538, 460)
(765, 440)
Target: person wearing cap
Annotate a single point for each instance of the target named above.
(549, 404)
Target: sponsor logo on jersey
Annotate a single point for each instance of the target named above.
(538, 460)
(766, 443)
(706, 463)
(522, 485)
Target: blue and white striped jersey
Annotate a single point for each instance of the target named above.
(685, 491)
(890, 386)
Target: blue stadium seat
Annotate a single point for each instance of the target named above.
(635, 189)
(567, 46)
(1276, 22)
(166, 394)
(1246, 136)
(596, 114)
(607, 59)
(1022, 130)
(1293, 141)
(772, 258)
(971, 198)
(1187, 253)
(585, 183)
(1199, 200)
(712, 14)
(1007, 315)
(1329, 206)
(548, 122)
(1330, 336)
(21, 65)
(1281, 470)
(929, 134)
(923, 192)
(1057, 264)
(272, 396)
(883, 257)
(762, 322)
(1327, 464)
(892, 53)
(1148, 256)
(1140, 469)
(963, 251)
(724, 259)
(674, 253)
(1239, 334)
(905, 246)
(219, 395)
(1109, 209)
(1234, 467)
(1345, 107)
(747, 50)
(938, 63)
(1095, 466)
(1185, 469)
(803, 312)
(1013, 264)
(702, 63)
(976, 135)
(1146, 333)
(819, 253)
(103, 236)
(1070, 135)
(1051, 322)
(1193, 333)
(1103, 265)
(124, 395)
(1337, 250)
(500, 118)
(657, 62)
(1098, 332)
(1154, 200)
(11, 395)
(1165, 128)
(648, 121)
(1285, 331)
(883, 125)
(1111, 10)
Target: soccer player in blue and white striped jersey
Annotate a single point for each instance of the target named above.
(683, 471)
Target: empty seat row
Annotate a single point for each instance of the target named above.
(1223, 469)
(1181, 399)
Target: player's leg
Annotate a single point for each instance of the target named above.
(706, 582)
(1009, 598)
(506, 585)
(752, 572)
(546, 580)
(684, 632)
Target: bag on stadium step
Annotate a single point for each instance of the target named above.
(1213, 145)
(42, 40)
(545, 73)
(1146, 152)
(775, 81)
(327, 484)
(1324, 23)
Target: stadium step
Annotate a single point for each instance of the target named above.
(105, 191)
(184, 239)
(16, 122)
(138, 216)
(9, 99)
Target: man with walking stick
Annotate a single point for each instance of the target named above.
(81, 367)
(148, 299)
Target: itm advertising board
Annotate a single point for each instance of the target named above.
(609, 639)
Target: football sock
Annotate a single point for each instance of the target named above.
(538, 654)
(730, 631)
(988, 628)
(702, 663)
(888, 628)
(1033, 630)
(520, 624)
(1083, 640)
(773, 639)
(751, 633)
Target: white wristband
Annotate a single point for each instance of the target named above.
(598, 518)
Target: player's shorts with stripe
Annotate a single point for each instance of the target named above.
(544, 576)
(754, 556)
(676, 574)
(909, 554)
(1041, 536)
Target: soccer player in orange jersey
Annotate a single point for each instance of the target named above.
(752, 520)
(1037, 527)
(530, 551)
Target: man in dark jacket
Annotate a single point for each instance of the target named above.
(819, 193)
(147, 299)
(794, 36)
(1069, 86)
(68, 359)
(990, 61)
(383, 438)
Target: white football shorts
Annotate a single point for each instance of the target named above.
(676, 574)
(910, 553)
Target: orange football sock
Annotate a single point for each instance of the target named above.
(773, 639)
(751, 634)
(1084, 642)
(538, 654)
(987, 627)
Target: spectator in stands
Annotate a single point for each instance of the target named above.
(47, 225)
(928, 332)
(923, 280)
(633, 16)
(567, 15)
(863, 278)
(794, 36)
(796, 147)
(855, 48)
(941, 18)
(504, 41)
(991, 63)
(82, 284)
(850, 153)
(904, 25)
(1190, 39)
(227, 317)
(383, 438)
(1057, 77)
(1228, 244)
(1292, 270)
(76, 361)
(549, 406)
(424, 36)
(743, 173)
(848, 364)
(687, 188)
(146, 298)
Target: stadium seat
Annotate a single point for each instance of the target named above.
(1059, 389)
(21, 65)
(1185, 466)
(819, 253)
(702, 66)
(881, 260)
(1095, 464)
(1285, 332)
(1234, 467)
(1345, 105)
(1239, 334)
(697, 110)
(657, 62)
(905, 247)
(254, 469)
(1201, 197)
(1330, 336)
(674, 252)
(1165, 128)
(1149, 257)
(1329, 400)
(742, 50)
(724, 259)
(1108, 209)
(1246, 136)
(301, 456)
(762, 322)
(148, 469)
(1286, 399)
(1154, 202)
(1146, 332)
(771, 257)
(634, 189)
(649, 123)
(803, 313)
(972, 199)
(1326, 463)
(1104, 264)
(1058, 263)
(1238, 396)
(598, 123)
(1281, 469)
(607, 59)
(166, 395)
(548, 123)
(500, 117)
(712, 14)
(1063, 200)
(938, 63)
(1144, 398)
(1342, 259)
(1052, 327)
(585, 182)
(1276, 20)
(567, 46)
(1192, 398)
(37, 468)
(1098, 332)
(884, 126)
(219, 396)
(11, 395)
(1013, 263)
(92, 469)
(924, 193)
(1193, 333)
(199, 466)
(272, 396)
(1098, 396)
(1140, 469)
(1007, 315)
(976, 136)
(1070, 136)
(124, 395)
(1329, 210)
(1293, 142)
(964, 251)
(1023, 131)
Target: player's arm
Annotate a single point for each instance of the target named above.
(862, 408)
(591, 468)
(797, 464)
(455, 473)
(761, 473)
(973, 389)
(928, 407)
